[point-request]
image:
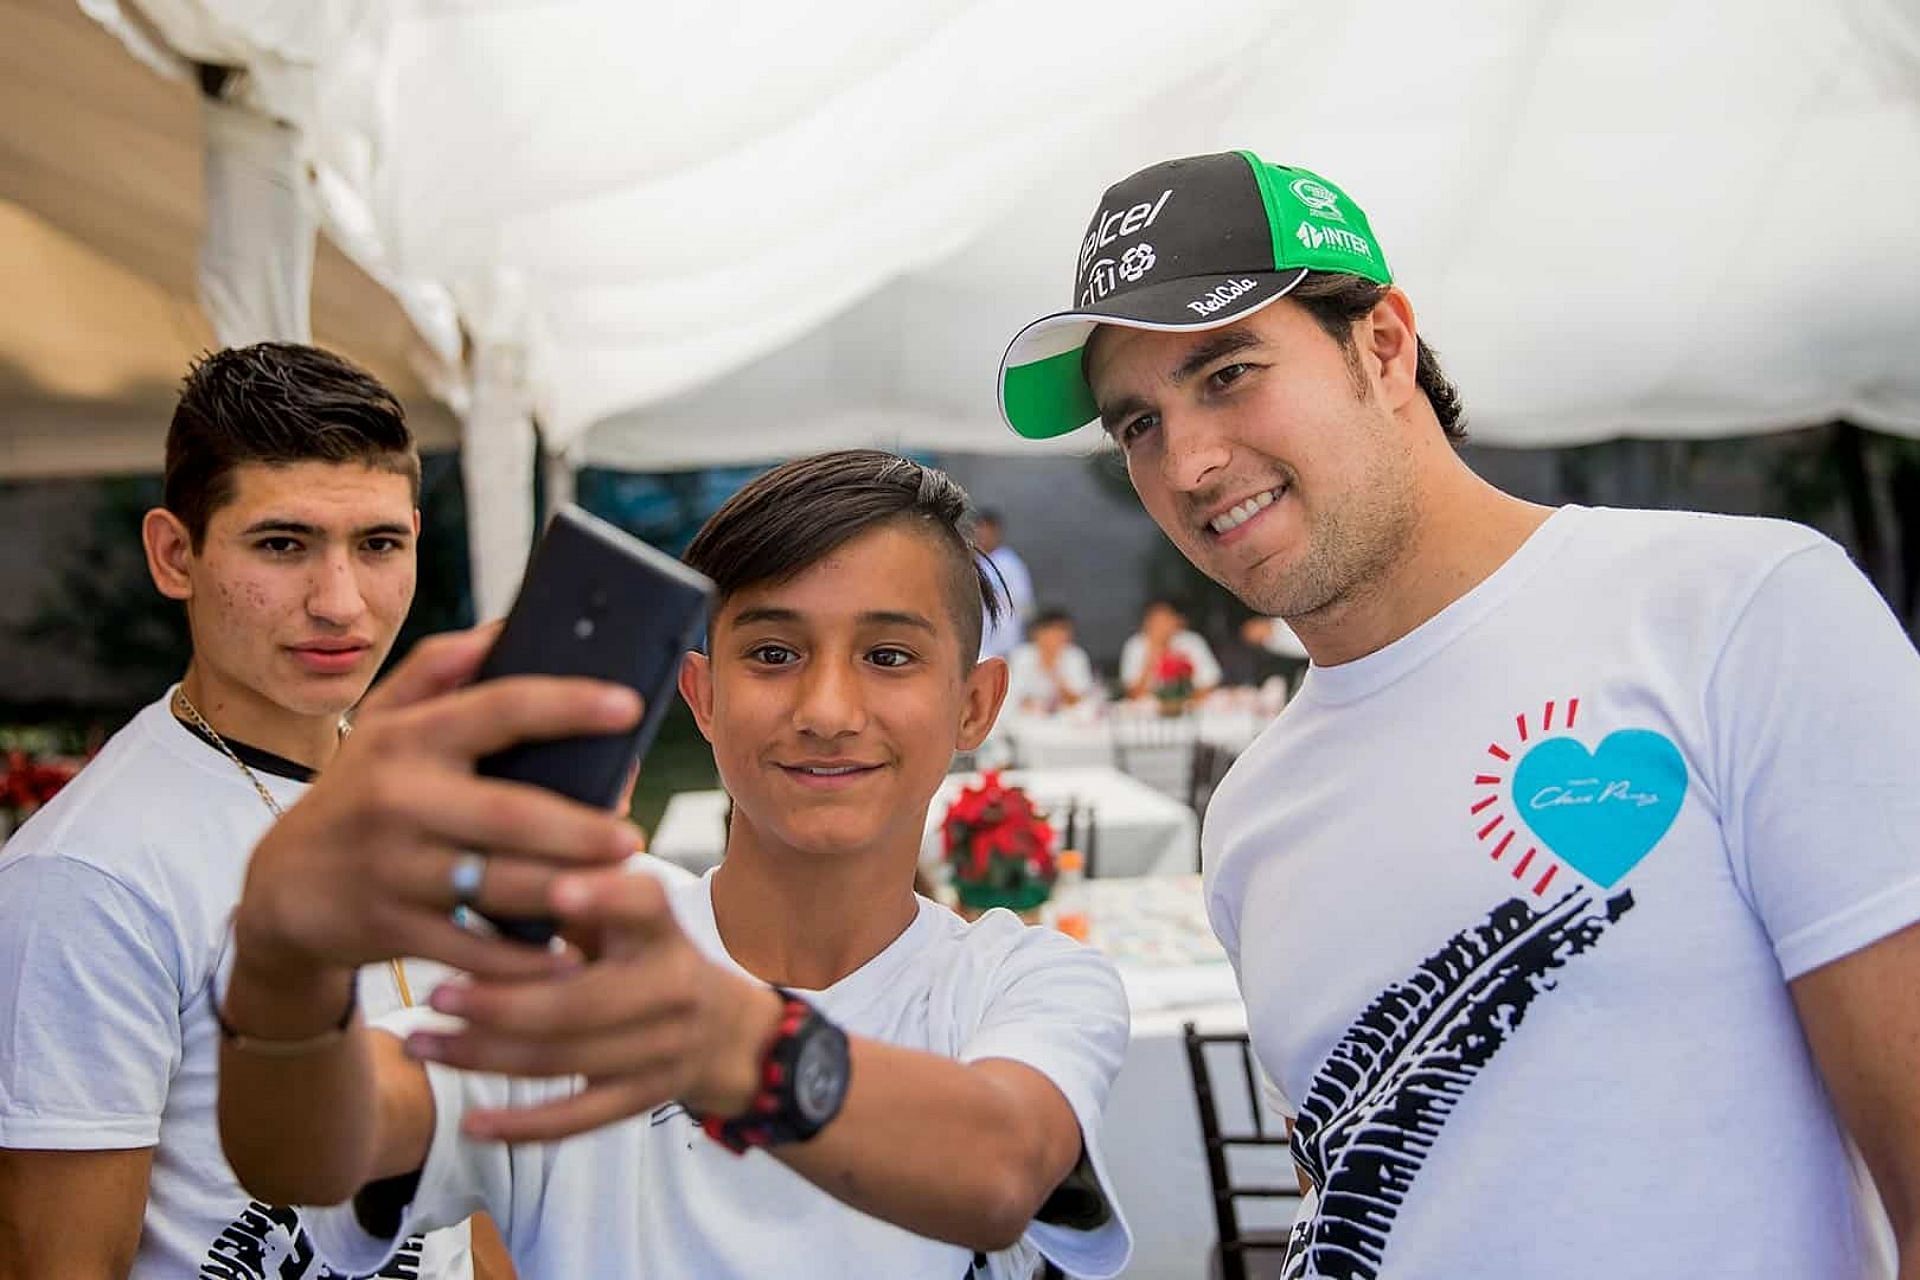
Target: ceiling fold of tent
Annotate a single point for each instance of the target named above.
(101, 220)
(718, 231)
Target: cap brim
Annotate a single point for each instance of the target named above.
(1043, 390)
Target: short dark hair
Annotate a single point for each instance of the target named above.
(277, 403)
(1337, 299)
(792, 517)
(1049, 617)
(989, 515)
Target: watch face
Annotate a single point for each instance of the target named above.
(819, 1078)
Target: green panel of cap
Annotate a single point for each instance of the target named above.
(1048, 397)
(1315, 224)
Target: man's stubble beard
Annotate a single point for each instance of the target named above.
(1353, 544)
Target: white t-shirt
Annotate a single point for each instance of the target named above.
(1515, 901)
(1029, 681)
(1191, 644)
(1280, 639)
(1007, 572)
(114, 901)
(653, 1196)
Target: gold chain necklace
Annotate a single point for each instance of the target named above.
(273, 806)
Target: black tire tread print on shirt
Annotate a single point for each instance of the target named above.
(1379, 1102)
(267, 1242)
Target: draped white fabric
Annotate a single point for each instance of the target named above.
(256, 253)
(1615, 218)
(1619, 217)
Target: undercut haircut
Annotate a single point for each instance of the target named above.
(277, 403)
(789, 519)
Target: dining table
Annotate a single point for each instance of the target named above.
(1125, 826)
(1154, 929)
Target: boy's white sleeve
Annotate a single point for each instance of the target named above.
(460, 1177)
(90, 1000)
(1059, 1008)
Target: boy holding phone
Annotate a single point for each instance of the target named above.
(927, 1094)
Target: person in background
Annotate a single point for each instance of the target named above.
(1049, 673)
(1012, 584)
(793, 1066)
(1163, 641)
(287, 532)
(1576, 896)
(1274, 637)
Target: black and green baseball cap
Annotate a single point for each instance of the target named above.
(1184, 245)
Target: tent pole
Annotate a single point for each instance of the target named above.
(559, 472)
(497, 451)
(256, 253)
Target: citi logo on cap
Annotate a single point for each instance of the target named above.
(1098, 278)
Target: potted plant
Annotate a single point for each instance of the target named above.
(999, 847)
(27, 782)
(1173, 682)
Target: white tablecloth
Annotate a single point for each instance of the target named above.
(1087, 737)
(1174, 973)
(1141, 832)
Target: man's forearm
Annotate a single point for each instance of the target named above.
(960, 1152)
(301, 1129)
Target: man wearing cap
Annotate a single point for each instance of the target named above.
(1572, 898)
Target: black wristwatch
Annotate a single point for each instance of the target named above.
(803, 1083)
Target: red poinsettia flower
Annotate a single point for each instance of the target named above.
(994, 838)
(1173, 668)
(30, 783)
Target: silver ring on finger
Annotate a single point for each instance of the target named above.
(468, 874)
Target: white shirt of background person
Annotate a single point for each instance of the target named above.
(1033, 689)
(1190, 644)
(1011, 583)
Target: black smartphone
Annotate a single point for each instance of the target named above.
(597, 602)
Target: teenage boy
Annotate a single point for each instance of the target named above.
(1573, 897)
(287, 532)
(924, 1095)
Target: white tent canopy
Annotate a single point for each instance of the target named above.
(1614, 220)
(685, 232)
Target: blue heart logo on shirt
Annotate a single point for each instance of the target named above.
(1602, 811)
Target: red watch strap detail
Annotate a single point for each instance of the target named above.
(750, 1128)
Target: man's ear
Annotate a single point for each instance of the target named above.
(696, 690)
(1391, 345)
(169, 552)
(986, 691)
